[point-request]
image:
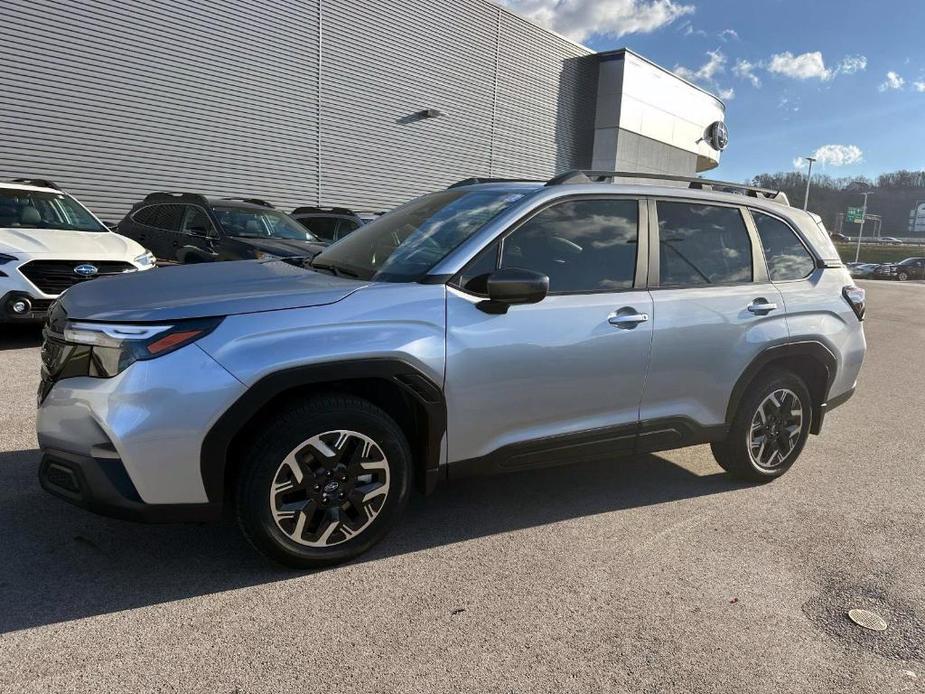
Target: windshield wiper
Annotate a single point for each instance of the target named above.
(333, 269)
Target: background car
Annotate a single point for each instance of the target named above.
(840, 238)
(48, 243)
(332, 223)
(862, 270)
(908, 269)
(890, 241)
(190, 228)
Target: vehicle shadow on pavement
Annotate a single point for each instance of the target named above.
(20, 336)
(59, 563)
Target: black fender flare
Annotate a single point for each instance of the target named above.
(214, 455)
(811, 349)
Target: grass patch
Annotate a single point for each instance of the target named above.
(875, 253)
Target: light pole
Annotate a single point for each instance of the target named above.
(857, 253)
(809, 175)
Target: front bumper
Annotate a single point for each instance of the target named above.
(37, 308)
(150, 419)
(103, 486)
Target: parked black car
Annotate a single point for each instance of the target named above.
(332, 223)
(908, 269)
(190, 228)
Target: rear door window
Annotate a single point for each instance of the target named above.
(785, 254)
(196, 222)
(323, 227)
(702, 245)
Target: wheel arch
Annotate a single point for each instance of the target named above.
(399, 388)
(811, 360)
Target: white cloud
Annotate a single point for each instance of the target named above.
(729, 35)
(746, 71)
(851, 64)
(579, 19)
(919, 86)
(706, 74)
(688, 29)
(716, 63)
(833, 155)
(892, 81)
(802, 67)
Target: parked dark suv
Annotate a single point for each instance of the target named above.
(190, 228)
(332, 223)
(908, 269)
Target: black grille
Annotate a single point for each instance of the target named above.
(63, 477)
(54, 276)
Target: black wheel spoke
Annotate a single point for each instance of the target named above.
(330, 489)
(775, 428)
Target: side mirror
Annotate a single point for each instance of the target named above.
(512, 286)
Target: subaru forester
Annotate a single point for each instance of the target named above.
(493, 326)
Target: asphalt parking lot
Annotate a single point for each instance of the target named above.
(655, 574)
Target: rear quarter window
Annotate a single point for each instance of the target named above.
(786, 256)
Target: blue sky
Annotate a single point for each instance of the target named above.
(797, 75)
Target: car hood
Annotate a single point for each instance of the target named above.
(284, 248)
(205, 289)
(79, 245)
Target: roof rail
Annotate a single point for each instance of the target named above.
(479, 179)
(170, 196)
(252, 201)
(37, 182)
(583, 176)
(311, 209)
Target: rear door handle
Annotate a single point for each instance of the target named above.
(761, 306)
(627, 318)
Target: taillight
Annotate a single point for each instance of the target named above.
(116, 346)
(855, 297)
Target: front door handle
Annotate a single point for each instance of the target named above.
(761, 306)
(627, 318)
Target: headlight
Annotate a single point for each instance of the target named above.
(4, 258)
(113, 347)
(261, 255)
(146, 259)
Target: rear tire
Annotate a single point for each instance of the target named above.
(769, 430)
(324, 482)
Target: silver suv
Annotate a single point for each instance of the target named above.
(487, 327)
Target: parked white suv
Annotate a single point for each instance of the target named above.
(50, 242)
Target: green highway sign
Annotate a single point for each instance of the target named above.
(855, 215)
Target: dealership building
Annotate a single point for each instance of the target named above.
(358, 103)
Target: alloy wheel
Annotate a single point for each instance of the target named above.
(775, 429)
(329, 488)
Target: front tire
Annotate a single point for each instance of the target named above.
(902, 276)
(324, 482)
(769, 430)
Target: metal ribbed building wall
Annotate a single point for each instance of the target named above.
(296, 101)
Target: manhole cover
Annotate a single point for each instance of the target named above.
(867, 619)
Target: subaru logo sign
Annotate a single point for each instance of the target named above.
(718, 136)
(86, 270)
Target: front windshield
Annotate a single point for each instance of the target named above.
(260, 224)
(403, 245)
(29, 209)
